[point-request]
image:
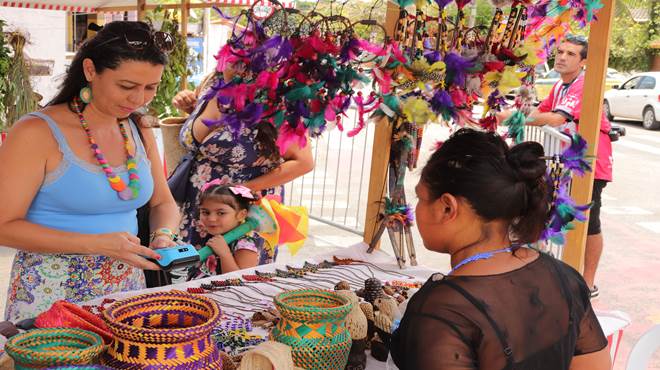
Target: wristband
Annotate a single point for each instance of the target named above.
(163, 231)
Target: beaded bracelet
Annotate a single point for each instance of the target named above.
(164, 231)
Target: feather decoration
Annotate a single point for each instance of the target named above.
(516, 124)
(442, 104)
(511, 78)
(239, 94)
(574, 158)
(489, 123)
(289, 136)
(382, 79)
(456, 67)
(404, 3)
(270, 54)
(236, 121)
(350, 50)
(363, 108)
(417, 111)
(564, 211)
(443, 3)
(390, 106)
(459, 97)
(462, 3)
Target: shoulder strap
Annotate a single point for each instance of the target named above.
(506, 349)
(57, 133)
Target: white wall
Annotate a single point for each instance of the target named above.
(46, 32)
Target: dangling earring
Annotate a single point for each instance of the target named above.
(85, 94)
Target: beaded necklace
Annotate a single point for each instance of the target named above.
(116, 183)
(479, 256)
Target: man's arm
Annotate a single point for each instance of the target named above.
(554, 119)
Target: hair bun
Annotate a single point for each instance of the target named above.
(526, 160)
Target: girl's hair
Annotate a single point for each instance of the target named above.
(113, 50)
(498, 182)
(223, 194)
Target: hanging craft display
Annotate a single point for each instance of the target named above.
(167, 330)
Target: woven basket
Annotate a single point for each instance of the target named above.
(43, 348)
(313, 325)
(80, 367)
(164, 330)
(173, 151)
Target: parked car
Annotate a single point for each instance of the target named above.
(636, 99)
(544, 84)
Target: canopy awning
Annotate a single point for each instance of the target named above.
(99, 6)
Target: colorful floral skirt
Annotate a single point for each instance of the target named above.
(38, 280)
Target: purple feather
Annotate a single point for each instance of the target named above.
(457, 67)
(271, 53)
(351, 47)
(432, 56)
(236, 121)
(573, 158)
(442, 3)
(539, 10)
(441, 102)
(495, 99)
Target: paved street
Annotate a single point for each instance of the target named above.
(629, 276)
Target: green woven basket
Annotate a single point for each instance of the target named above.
(43, 348)
(313, 325)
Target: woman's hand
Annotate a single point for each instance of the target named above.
(162, 241)
(185, 101)
(126, 248)
(219, 246)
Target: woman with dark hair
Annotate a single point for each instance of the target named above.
(502, 306)
(74, 173)
(251, 159)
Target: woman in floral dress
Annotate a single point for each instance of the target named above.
(250, 158)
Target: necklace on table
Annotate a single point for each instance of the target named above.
(479, 256)
(125, 192)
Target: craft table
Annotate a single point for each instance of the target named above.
(612, 324)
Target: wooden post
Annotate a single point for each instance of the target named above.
(592, 105)
(380, 156)
(185, 9)
(141, 9)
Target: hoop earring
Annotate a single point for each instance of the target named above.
(85, 95)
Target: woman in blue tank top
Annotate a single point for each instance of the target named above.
(73, 175)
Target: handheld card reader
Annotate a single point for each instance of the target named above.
(177, 257)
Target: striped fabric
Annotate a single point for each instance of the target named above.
(93, 6)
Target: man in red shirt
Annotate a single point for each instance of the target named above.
(561, 110)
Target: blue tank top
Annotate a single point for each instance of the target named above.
(77, 197)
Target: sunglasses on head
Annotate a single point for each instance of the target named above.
(141, 39)
(576, 39)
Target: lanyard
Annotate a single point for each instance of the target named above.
(479, 256)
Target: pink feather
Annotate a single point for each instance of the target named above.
(289, 136)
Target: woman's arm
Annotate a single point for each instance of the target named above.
(164, 212)
(21, 175)
(599, 360)
(297, 162)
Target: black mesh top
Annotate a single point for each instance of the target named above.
(534, 318)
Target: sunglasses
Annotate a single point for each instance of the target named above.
(141, 39)
(576, 39)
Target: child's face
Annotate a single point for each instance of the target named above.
(219, 217)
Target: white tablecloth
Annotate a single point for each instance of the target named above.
(418, 273)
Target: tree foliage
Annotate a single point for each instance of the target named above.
(170, 83)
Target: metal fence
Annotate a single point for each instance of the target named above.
(553, 143)
(335, 192)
